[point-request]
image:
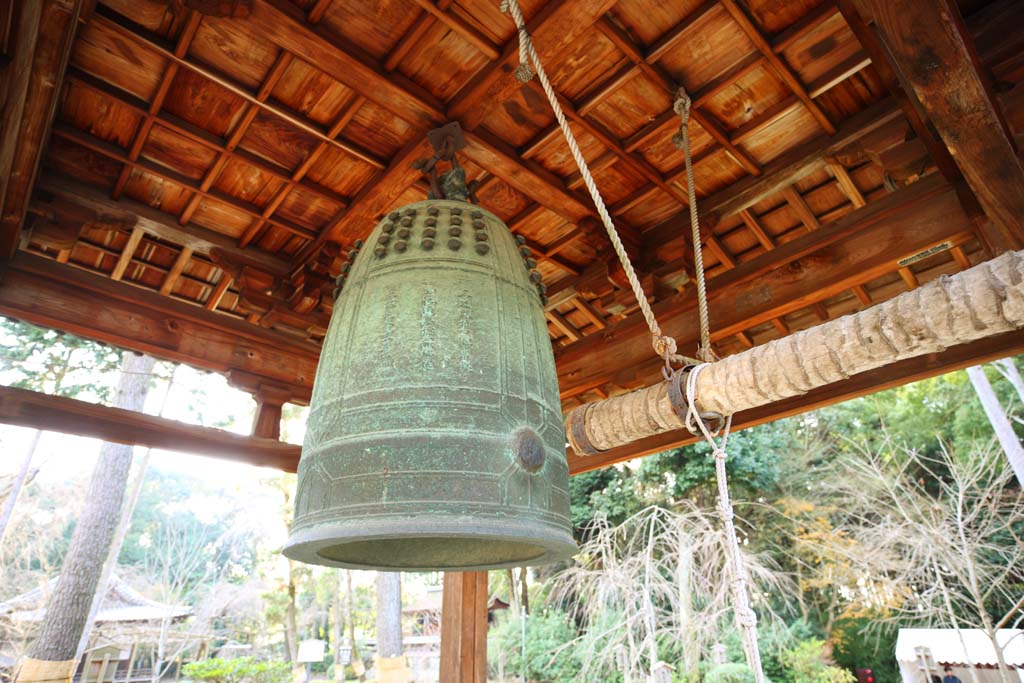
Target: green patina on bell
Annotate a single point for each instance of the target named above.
(435, 437)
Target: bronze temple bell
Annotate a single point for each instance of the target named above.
(435, 437)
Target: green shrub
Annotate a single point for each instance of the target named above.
(807, 663)
(241, 670)
(545, 634)
(729, 673)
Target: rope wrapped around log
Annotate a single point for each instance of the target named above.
(979, 302)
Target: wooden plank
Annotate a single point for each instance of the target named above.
(470, 34)
(176, 270)
(250, 111)
(284, 24)
(218, 292)
(156, 223)
(959, 101)
(116, 22)
(115, 153)
(852, 250)
(784, 171)
(45, 293)
(141, 134)
(24, 408)
(564, 326)
(126, 254)
(31, 85)
(552, 29)
(880, 379)
(803, 211)
(778, 66)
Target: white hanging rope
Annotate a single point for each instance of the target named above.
(682, 141)
(746, 618)
(664, 345)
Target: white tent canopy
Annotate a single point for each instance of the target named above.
(923, 652)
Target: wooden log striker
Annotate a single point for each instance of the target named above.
(980, 302)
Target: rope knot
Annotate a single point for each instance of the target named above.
(523, 72)
(681, 105)
(719, 454)
(664, 345)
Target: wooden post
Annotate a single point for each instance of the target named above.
(464, 628)
(266, 423)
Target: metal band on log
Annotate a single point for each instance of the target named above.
(980, 302)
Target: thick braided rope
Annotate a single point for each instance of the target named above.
(665, 346)
(682, 141)
(746, 618)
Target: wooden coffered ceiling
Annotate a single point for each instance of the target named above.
(186, 177)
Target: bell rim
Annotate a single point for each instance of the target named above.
(305, 545)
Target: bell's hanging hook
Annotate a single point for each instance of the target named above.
(446, 141)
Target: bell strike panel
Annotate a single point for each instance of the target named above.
(435, 440)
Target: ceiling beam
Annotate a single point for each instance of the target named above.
(151, 221)
(45, 293)
(862, 245)
(30, 84)
(932, 48)
(781, 173)
(24, 408)
(879, 379)
(285, 25)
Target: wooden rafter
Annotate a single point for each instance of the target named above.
(156, 223)
(117, 154)
(248, 115)
(188, 32)
(959, 101)
(739, 14)
(198, 135)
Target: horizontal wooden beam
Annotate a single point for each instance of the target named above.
(24, 408)
(46, 293)
(880, 379)
(152, 222)
(862, 245)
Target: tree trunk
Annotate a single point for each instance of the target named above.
(68, 607)
(1000, 423)
(19, 482)
(1007, 367)
(389, 614)
(524, 593)
(115, 550)
(357, 662)
(513, 595)
(291, 631)
(339, 628)
(983, 301)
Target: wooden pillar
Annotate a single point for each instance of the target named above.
(464, 628)
(270, 398)
(266, 423)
